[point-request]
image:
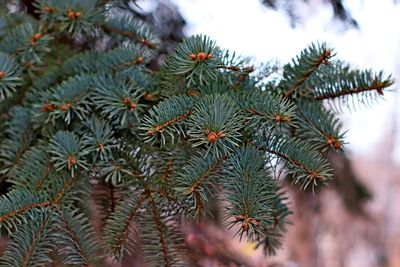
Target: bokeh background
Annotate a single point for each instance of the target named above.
(354, 222)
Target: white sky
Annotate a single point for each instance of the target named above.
(251, 29)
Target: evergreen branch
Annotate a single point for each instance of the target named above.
(85, 62)
(197, 57)
(117, 98)
(31, 244)
(99, 138)
(197, 180)
(274, 233)
(319, 126)
(167, 117)
(15, 204)
(76, 234)
(124, 58)
(215, 123)
(165, 251)
(250, 193)
(10, 76)
(27, 43)
(341, 81)
(67, 151)
(264, 109)
(132, 28)
(18, 137)
(304, 162)
(32, 170)
(164, 238)
(74, 17)
(302, 67)
(19, 205)
(120, 232)
(69, 99)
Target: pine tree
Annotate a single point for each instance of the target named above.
(86, 123)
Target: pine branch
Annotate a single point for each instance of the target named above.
(197, 57)
(263, 109)
(17, 139)
(303, 161)
(32, 244)
(75, 233)
(302, 67)
(250, 193)
(342, 82)
(67, 152)
(33, 170)
(132, 28)
(215, 124)
(10, 76)
(120, 231)
(167, 117)
(320, 127)
(198, 179)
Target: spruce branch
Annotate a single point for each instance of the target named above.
(302, 160)
(67, 152)
(197, 57)
(310, 59)
(263, 109)
(75, 233)
(10, 76)
(167, 117)
(215, 124)
(342, 82)
(132, 28)
(120, 230)
(250, 193)
(197, 181)
(33, 169)
(117, 98)
(18, 136)
(15, 205)
(32, 244)
(320, 127)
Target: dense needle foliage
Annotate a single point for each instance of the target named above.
(86, 124)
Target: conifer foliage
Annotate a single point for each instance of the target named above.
(88, 126)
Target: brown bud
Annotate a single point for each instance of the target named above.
(148, 97)
(48, 108)
(78, 14)
(212, 137)
(193, 92)
(101, 146)
(2, 74)
(193, 57)
(139, 60)
(201, 56)
(150, 133)
(70, 14)
(48, 9)
(210, 56)
(71, 161)
(131, 106)
(65, 107)
(327, 53)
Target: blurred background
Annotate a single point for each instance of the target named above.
(355, 221)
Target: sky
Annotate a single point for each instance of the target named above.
(251, 29)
